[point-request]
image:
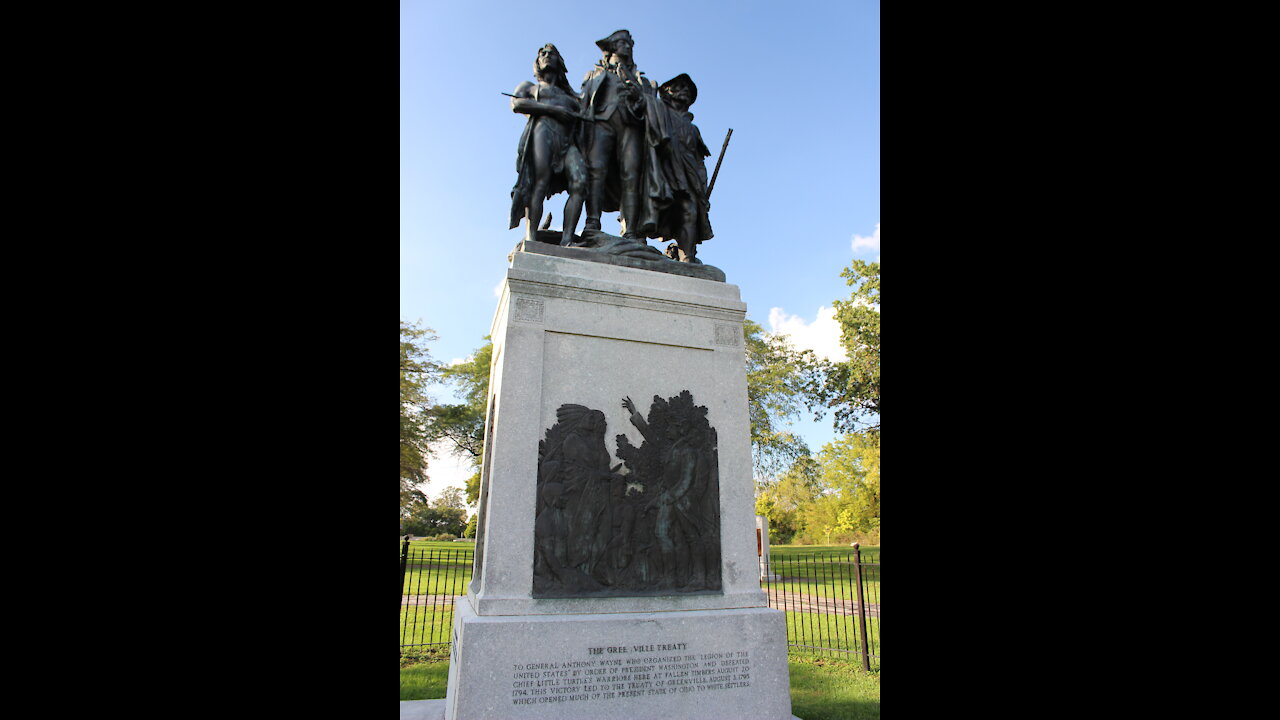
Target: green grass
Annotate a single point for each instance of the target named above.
(419, 625)
(432, 571)
(441, 545)
(870, 553)
(824, 630)
(811, 571)
(824, 571)
(821, 689)
(831, 576)
(424, 681)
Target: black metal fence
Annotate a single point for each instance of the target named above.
(430, 578)
(831, 601)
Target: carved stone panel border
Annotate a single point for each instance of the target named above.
(529, 310)
(728, 335)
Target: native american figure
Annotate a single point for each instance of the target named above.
(678, 466)
(573, 524)
(548, 160)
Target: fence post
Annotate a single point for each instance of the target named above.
(862, 607)
(404, 559)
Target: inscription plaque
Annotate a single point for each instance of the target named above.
(611, 673)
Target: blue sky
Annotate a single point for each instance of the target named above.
(797, 197)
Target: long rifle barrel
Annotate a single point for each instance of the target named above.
(724, 147)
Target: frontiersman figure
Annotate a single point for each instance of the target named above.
(681, 152)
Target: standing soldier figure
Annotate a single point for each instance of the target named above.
(615, 100)
(681, 152)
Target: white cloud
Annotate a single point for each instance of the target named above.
(821, 335)
(497, 289)
(445, 470)
(868, 244)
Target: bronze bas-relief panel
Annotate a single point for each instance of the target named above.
(652, 530)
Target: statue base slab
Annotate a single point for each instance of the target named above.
(605, 342)
(629, 665)
(614, 250)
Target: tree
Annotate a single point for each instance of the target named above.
(417, 371)
(851, 468)
(450, 498)
(473, 489)
(852, 387)
(843, 490)
(426, 519)
(461, 426)
(779, 380)
(782, 501)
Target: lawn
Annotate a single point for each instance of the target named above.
(870, 553)
(824, 571)
(438, 568)
(444, 568)
(816, 631)
(438, 571)
(821, 689)
(824, 685)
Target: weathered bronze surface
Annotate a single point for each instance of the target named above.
(619, 251)
(682, 151)
(654, 530)
(620, 144)
(547, 160)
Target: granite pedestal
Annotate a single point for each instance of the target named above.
(591, 334)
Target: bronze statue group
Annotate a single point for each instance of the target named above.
(653, 530)
(622, 143)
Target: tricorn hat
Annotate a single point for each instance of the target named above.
(682, 79)
(607, 43)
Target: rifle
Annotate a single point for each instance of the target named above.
(724, 147)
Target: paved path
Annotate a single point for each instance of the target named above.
(427, 600)
(779, 599)
(796, 602)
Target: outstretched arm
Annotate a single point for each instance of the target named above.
(638, 421)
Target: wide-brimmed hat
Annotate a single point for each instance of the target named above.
(685, 80)
(607, 43)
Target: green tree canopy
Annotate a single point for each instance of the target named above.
(450, 498)
(424, 519)
(417, 372)
(851, 470)
(473, 488)
(852, 388)
(461, 425)
(781, 501)
(780, 379)
(834, 496)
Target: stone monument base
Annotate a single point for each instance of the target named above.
(688, 664)
(422, 710)
(434, 710)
